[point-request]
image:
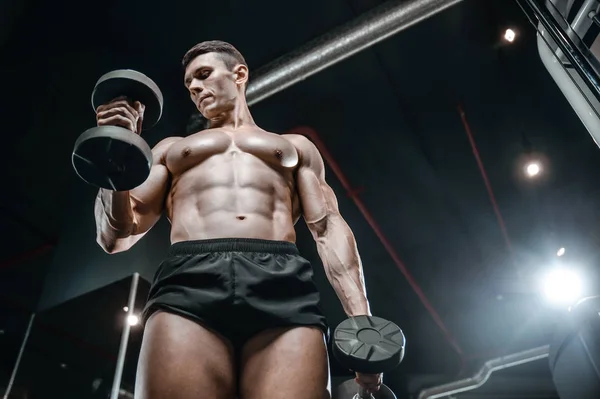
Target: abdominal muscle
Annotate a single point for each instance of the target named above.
(232, 195)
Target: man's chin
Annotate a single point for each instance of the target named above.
(202, 109)
(203, 112)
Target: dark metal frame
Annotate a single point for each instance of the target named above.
(573, 48)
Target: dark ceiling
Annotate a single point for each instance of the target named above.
(390, 118)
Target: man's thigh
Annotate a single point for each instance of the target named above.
(181, 359)
(285, 363)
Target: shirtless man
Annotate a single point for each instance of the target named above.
(232, 311)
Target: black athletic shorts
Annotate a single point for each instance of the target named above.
(237, 287)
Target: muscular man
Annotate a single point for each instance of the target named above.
(233, 310)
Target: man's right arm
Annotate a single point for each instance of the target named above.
(124, 217)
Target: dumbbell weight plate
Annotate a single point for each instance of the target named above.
(349, 389)
(368, 344)
(112, 157)
(134, 85)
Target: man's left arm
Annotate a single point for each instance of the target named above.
(335, 241)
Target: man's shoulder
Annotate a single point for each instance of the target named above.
(299, 141)
(160, 149)
(306, 149)
(165, 143)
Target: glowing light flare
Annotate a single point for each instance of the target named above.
(532, 169)
(562, 286)
(133, 320)
(510, 35)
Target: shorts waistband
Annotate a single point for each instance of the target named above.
(232, 245)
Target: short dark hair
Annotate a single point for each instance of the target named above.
(229, 54)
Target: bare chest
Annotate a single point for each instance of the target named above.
(193, 150)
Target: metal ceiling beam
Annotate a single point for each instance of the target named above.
(359, 34)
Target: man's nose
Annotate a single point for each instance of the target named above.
(195, 87)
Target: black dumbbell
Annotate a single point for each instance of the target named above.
(370, 345)
(113, 157)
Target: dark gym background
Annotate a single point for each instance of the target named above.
(389, 116)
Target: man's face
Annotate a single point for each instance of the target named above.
(212, 86)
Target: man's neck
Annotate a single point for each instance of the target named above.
(239, 117)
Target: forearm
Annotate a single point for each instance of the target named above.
(338, 251)
(115, 220)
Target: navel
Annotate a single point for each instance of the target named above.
(186, 152)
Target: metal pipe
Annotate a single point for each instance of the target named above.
(26, 256)
(116, 387)
(124, 394)
(361, 33)
(485, 178)
(328, 157)
(480, 378)
(19, 357)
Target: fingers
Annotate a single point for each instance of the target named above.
(369, 378)
(132, 115)
(370, 387)
(118, 120)
(370, 382)
(140, 108)
(119, 101)
(121, 104)
(120, 112)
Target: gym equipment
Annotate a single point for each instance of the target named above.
(482, 376)
(370, 345)
(575, 353)
(113, 157)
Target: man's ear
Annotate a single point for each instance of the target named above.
(241, 74)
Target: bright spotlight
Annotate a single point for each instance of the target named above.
(533, 169)
(560, 252)
(562, 286)
(509, 35)
(133, 320)
(125, 309)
